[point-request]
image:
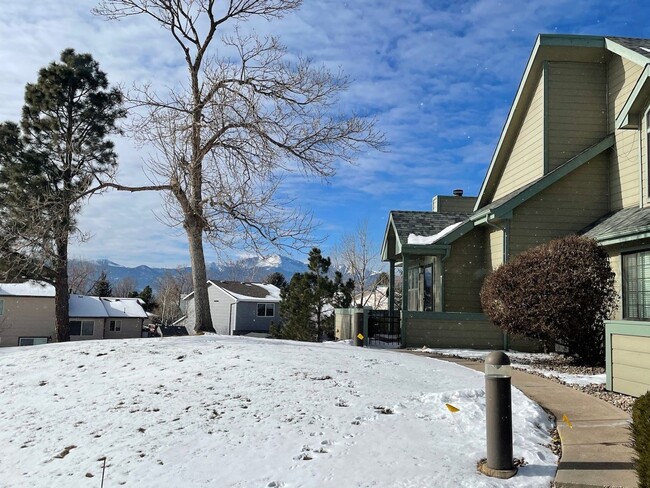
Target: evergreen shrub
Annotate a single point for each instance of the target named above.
(641, 438)
(561, 291)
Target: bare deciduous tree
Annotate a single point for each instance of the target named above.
(82, 276)
(358, 256)
(124, 287)
(172, 286)
(225, 138)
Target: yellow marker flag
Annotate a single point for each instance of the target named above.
(360, 336)
(451, 408)
(568, 422)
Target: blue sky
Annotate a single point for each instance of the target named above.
(439, 76)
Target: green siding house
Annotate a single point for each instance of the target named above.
(573, 158)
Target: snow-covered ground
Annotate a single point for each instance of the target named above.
(517, 358)
(233, 412)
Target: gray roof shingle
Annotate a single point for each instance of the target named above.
(635, 44)
(423, 223)
(246, 289)
(621, 222)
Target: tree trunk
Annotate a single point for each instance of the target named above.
(62, 297)
(203, 319)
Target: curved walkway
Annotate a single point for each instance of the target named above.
(595, 450)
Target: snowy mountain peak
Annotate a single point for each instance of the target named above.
(273, 261)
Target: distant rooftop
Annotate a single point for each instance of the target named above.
(27, 289)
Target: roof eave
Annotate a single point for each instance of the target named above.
(629, 235)
(625, 52)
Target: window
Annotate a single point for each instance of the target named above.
(115, 325)
(2, 307)
(414, 288)
(82, 327)
(266, 309)
(31, 341)
(636, 286)
(428, 289)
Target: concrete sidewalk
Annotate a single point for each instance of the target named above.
(594, 451)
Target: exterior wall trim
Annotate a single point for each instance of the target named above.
(504, 210)
(467, 316)
(629, 117)
(628, 54)
(620, 327)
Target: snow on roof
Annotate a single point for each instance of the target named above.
(415, 239)
(124, 307)
(84, 306)
(28, 289)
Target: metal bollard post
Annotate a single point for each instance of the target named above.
(498, 415)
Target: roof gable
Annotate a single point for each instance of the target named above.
(547, 47)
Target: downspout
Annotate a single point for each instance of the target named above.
(641, 164)
(230, 319)
(506, 257)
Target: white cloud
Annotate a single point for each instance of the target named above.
(439, 76)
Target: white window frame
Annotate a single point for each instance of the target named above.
(83, 323)
(41, 340)
(115, 325)
(636, 284)
(267, 307)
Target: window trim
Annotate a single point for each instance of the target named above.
(637, 291)
(81, 327)
(266, 309)
(20, 339)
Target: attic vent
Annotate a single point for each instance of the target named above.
(458, 192)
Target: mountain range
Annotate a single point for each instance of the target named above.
(253, 269)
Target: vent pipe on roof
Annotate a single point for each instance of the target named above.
(458, 192)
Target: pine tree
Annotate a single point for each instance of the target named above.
(309, 297)
(147, 296)
(276, 279)
(48, 165)
(102, 287)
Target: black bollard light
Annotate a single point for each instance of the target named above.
(498, 416)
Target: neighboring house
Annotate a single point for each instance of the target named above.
(27, 315)
(106, 317)
(573, 157)
(376, 299)
(237, 308)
